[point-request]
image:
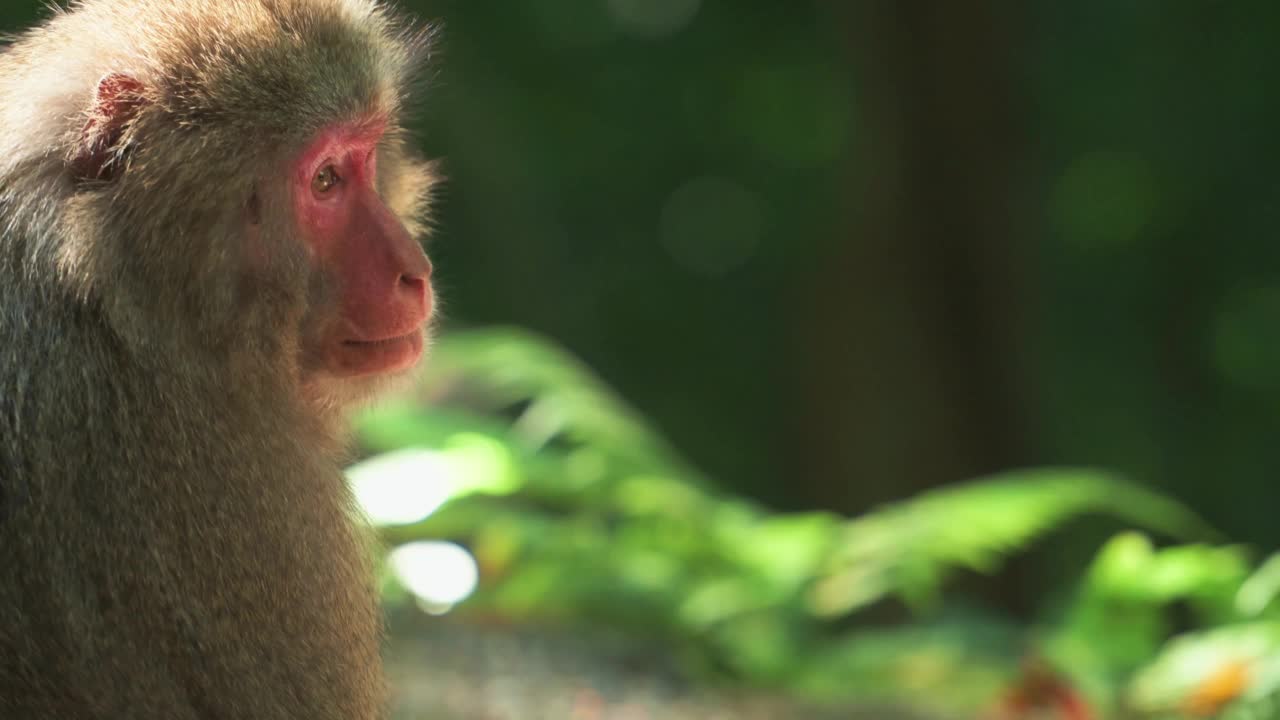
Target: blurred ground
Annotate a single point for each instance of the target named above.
(446, 669)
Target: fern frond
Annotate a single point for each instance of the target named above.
(907, 548)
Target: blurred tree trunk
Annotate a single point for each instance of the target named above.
(911, 348)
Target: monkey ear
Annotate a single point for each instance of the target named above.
(116, 102)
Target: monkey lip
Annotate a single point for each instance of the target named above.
(363, 357)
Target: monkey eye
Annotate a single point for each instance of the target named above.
(324, 180)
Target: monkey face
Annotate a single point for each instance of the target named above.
(381, 279)
(245, 199)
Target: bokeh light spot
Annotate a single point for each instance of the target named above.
(1246, 345)
(439, 574)
(406, 486)
(1105, 199)
(798, 116)
(711, 225)
(653, 18)
(402, 487)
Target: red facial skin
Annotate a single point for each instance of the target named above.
(382, 276)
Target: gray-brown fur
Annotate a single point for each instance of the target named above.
(176, 540)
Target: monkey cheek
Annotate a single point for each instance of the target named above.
(352, 358)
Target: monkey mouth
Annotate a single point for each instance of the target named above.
(382, 342)
(365, 357)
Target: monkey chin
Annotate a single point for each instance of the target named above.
(364, 372)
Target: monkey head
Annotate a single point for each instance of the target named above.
(239, 187)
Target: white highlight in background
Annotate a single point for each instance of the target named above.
(402, 487)
(439, 574)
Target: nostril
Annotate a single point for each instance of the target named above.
(415, 278)
(414, 286)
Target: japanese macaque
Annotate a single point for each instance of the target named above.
(209, 249)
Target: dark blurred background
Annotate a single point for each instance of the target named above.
(840, 252)
(844, 251)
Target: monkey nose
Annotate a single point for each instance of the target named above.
(415, 277)
(415, 288)
(413, 285)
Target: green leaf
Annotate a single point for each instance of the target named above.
(500, 368)
(1201, 671)
(1261, 589)
(1118, 620)
(908, 548)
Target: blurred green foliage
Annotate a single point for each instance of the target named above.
(577, 513)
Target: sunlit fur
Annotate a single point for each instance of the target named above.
(177, 538)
